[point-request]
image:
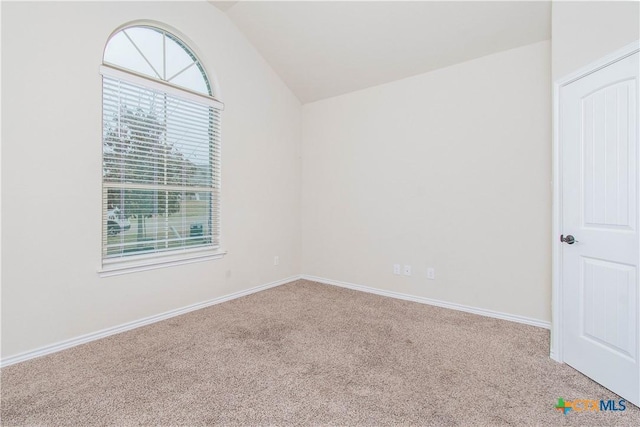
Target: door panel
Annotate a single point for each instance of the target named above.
(599, 159)
(608, 305)
(608, 181)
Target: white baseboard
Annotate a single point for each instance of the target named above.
(430, 301)
(63, 345)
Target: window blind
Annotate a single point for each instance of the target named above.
(161, 170)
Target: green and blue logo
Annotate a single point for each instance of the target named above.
(562, 406)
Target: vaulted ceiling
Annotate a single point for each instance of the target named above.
(327, 48)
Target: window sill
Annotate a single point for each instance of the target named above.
(119, 267)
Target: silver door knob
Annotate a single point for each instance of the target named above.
(569, 239)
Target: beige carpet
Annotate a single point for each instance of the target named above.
(307, 354)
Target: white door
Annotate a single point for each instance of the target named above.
(599, 169)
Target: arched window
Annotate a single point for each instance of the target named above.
(161, 152)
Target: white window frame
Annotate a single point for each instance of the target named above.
(181, 256)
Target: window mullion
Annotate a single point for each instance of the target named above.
(142, 54)
(164, 56)
(181, 71)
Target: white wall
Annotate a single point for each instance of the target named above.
(449, 169)
(583, 32)
(51, 179)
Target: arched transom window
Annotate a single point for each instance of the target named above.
(161, 145)
(157, 54)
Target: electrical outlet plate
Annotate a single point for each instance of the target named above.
(407, 270)
(276, 260)
(396, 269)
(431, 273)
